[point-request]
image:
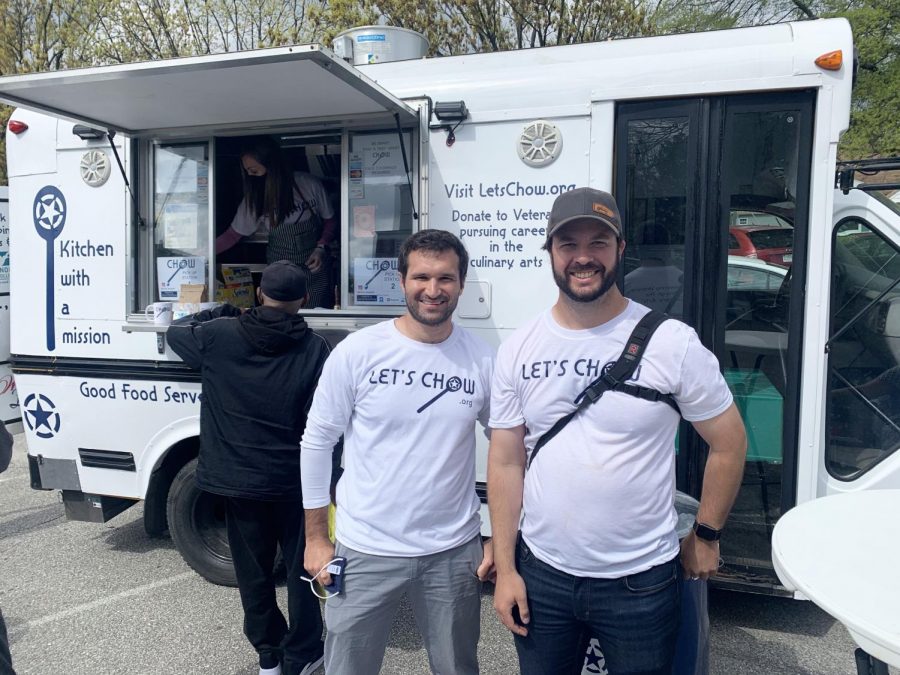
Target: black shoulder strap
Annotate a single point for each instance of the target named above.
(615, 378)
(628, 361)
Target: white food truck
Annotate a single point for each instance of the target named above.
(720, 147)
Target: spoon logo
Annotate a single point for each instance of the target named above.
(453, 384)
(49, 210)
(49, 215)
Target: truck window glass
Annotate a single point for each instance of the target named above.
(760, 185)
(380, 214)
(863, 419)
(180, 217)
(657, 190)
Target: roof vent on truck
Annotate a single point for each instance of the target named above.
(379, 44)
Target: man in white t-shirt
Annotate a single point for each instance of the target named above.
(598, 554)
(406, 395)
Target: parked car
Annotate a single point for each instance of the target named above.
(747, 274)
(757, 296)
(774, 245)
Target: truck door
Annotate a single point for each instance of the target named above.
(713, 193)
(863, 413)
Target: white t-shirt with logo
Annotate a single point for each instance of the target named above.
(246, 223)
(407, 410)
(599, 497)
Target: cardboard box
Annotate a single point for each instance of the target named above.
(235, 276)
(192, 293)
(238, 287)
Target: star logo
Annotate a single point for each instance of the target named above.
(41, 415)
(594, 661)
(49, 209)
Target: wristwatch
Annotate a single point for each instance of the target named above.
(705, 532)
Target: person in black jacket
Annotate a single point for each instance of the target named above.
(6, 446)
(259, 369)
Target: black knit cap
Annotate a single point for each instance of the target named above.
(283, 281)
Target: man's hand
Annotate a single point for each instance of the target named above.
(509, 593)
(486, 571)
(699, 558)
(319, 552)
(315, 260)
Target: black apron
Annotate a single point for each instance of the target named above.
(295, 241)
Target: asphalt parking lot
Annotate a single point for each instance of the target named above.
(88, 599)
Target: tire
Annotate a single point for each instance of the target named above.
(197, 525)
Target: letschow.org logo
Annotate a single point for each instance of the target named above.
(41, 416)
(49, 215)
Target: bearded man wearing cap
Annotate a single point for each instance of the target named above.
(598, 554)
(259, 369)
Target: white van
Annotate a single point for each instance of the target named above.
(685, 130)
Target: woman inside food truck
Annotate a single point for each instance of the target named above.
(292, 209)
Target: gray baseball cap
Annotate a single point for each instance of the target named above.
(584, 203)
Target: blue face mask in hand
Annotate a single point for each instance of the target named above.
(336, 569)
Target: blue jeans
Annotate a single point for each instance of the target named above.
(635, 618)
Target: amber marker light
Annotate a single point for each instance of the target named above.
(831, 60)
(16, 126)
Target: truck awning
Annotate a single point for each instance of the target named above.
(266, 87)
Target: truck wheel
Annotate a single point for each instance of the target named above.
(197, 525)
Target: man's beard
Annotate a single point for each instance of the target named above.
(609, 278)
(412, 307)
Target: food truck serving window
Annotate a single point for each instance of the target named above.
(380, 214)
(362, 187)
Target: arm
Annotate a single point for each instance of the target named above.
(506, 477)
(327, 420)
(319, 549)
(485, 571)
(329, 228)
(223, 310)
(721, 481)
(322, 206)
(316, 259)
(185, 337)
(244, 223)
(315, 475)
(227, 239)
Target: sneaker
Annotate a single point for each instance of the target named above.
(269, 665)
(312, 666)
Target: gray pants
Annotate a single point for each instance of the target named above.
(445, 596)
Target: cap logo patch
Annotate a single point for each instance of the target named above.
(603, 210)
